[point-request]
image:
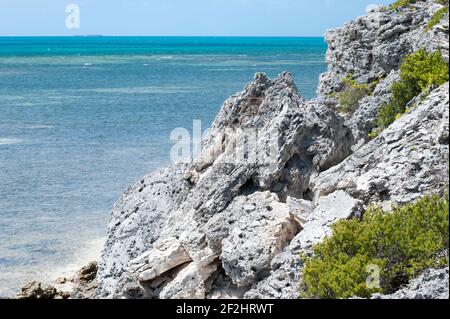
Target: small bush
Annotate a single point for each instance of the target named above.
(406, 3)
(437, 16)
(418, 72)
(401, 4)
(402, 244)
(351, 94)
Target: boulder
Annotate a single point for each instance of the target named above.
(36, 290)
(284, 279)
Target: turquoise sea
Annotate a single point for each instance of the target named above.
(82, 118)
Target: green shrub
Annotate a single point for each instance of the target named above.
(401, 4)
(402, 244)
(351, 94)
(405, 3)
(437, 16)
(443, 2)
(418, 72)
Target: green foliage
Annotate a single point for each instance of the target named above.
(406, 3)
(351, 94)
(402, 244)
(443, 2)
(418, 72)
(401, 4)
(437, 16)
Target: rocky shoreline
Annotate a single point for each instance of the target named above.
(81, 285)
(225, 228)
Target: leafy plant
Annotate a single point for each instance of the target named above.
(401, 4)
(401, 244)
(418, 72)
(351, 94)
(437, 17)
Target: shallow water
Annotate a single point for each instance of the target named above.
(81, 119)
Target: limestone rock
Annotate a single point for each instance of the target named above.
(190, 283)
(362, 122)
(257, 237)
(408, 160)
(371, 49)
(136, 221)
(232, 215)
(432, 284)
(373, 45)
(300, 138)
(284, 278)
(168, 254)
(35, 290)
(85, 282)
(276, 172)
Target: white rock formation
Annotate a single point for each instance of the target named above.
(407, 160)
(373, 45)
(277, 171)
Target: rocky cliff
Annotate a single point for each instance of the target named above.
(277, 171)
(371, 49)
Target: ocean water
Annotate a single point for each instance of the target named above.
(82, 118)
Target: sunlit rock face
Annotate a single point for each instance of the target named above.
(233, 223)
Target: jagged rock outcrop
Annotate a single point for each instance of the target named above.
(276, 172)
(284, 279)
(407, 160)
(136, 222)
(373, 45)
(288, 140)
(362, 121)
(82, 285)
(85, 282)
(371, 49)
(35, 290)
(432, 284)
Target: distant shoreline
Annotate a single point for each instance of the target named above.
(160, 36)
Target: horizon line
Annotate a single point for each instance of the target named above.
(160, 36)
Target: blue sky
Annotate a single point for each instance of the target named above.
(181, 17)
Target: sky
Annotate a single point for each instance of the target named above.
(178, 17)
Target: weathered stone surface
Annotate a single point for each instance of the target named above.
(277, 171)
(432, 284)
(262, 231)
(413, 150)
(190, 283)
(362, 122)
(168, 254)
(85, 282)
(187, 238)
(35, 290)
(370, 49)
(136, 222)
(407, 160)
(284, 279)
(373, 45)
(300, 137)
